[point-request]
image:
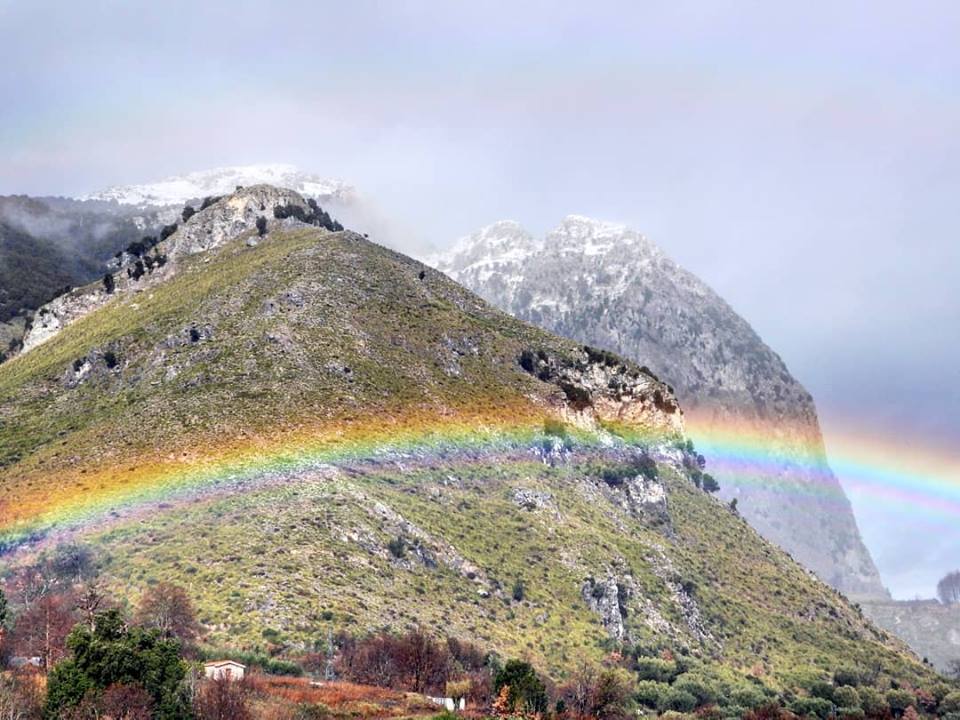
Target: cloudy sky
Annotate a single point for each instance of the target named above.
(803, 158)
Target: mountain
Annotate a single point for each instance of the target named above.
(607, 285)
(312, 433)
(48, 244)
(181, 189)
(929, 627)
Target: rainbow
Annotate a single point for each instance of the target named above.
(86, 497)
(913, 475)
(82, 498)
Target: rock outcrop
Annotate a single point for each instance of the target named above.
(607, 285)
(930, 628)
(148, 263)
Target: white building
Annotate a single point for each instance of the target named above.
(228, 669)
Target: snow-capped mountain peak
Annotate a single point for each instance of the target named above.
(180, 189)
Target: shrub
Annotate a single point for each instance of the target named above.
(649, 692)
(110, 358)
(847, 676)
(698, 687)
(261, 226)
(519, 590)
(709, 483)
(899, 700)
(851, 713)
(108, 283)
(748, 697)
(526, 690)
(208, 201)
(167, 231)
(188, 212)
(846, 697)
(950, 703)
(872, 702)
(397, 547)
(677, 700)
(657, 669)
(811, 706)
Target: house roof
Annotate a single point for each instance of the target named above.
(221, 663)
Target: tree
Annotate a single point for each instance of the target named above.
(221, 699)
(167, 608)
(114, 654)
(425, 661)
(42, 629)
(950, 703)
(261, 226)
(126, 702)
(709, 483)
(610, 696)
(4, 610)
(527, 692)
(108, 283)
(948, 589)
(188, 212)
(20, 697)
(899, 701)
(72, 563)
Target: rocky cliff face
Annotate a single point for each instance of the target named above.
(133, 271)
(930, 628)
(608, 286)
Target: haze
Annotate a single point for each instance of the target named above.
(803, 161)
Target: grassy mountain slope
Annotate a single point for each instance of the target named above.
(167, 428)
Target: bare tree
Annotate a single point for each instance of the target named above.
(948, 589)
(167, 608)
(42, 629)
(222, 699)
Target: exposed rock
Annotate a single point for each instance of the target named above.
(930, 628)
(532, 499)
(600, 389)
(205, 230)
(607, 597)
(607, 285)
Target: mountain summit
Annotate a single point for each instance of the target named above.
(181, 189)
(312, 433)
(607, 285)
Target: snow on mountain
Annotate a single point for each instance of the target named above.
(606, 285)
(180, 189)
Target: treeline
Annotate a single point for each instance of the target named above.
(313, 215)
(75, 652)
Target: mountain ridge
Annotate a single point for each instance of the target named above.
(607, 285)
(304, 428)
(194, 186)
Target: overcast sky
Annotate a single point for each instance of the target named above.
(803, 160)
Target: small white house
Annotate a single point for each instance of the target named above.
(220, 669)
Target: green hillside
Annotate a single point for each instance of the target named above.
(497, 483)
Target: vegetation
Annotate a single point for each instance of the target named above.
(314, 337)
(111, 655)
(519, 689)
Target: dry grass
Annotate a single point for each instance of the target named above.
(339, 698)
